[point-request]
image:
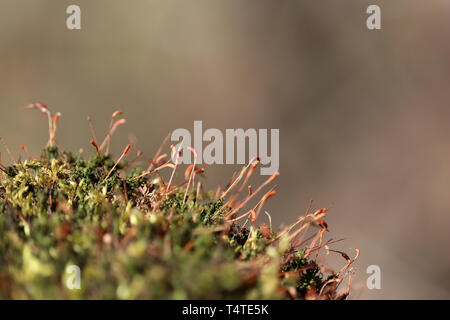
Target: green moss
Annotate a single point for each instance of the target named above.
(130, 238)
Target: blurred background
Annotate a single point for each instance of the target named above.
(363, 115)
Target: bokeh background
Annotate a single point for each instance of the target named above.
(363, 115)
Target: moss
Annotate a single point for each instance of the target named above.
(132, 238)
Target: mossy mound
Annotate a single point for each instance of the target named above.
(134, 238)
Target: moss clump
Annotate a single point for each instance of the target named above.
(136, 237)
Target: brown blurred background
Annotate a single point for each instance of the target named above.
(363, 115)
